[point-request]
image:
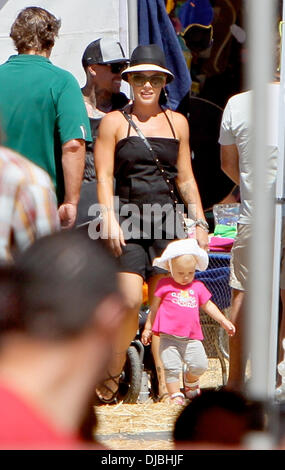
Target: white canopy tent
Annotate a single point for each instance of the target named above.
(81, 24)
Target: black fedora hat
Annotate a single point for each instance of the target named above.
(148, 58)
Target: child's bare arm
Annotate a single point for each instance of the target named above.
(147, 332)
(214, 312)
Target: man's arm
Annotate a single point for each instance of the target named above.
(230, 162)
(73, 161)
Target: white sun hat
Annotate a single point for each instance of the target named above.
(187, 246)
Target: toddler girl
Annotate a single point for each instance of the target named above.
(174, 316)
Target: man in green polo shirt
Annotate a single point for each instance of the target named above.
(42, 112)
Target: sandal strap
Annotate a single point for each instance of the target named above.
(192, 393)
(113, 397)
(177, 394)
(190, 385)
(113, 377)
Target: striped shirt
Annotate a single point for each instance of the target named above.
(28, 205)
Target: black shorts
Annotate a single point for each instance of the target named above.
(138, 255)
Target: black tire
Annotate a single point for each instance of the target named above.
(130, 382)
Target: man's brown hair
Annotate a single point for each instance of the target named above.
(34, 28)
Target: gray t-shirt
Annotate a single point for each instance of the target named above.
(236, 128)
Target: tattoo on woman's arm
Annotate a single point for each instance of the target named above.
(186, 192)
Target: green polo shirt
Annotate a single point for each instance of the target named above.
(41, 108)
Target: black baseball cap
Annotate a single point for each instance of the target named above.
(103, 51)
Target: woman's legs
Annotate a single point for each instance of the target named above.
(131, 288)
(162, 389)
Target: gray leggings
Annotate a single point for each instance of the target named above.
(174, 351)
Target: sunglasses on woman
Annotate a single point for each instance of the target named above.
(156, 81)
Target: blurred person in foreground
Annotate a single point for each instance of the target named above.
(217, 419)
(41, 108)
(28, 206)
(60, 308)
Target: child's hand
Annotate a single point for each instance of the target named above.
(146, 336)
(229, 327)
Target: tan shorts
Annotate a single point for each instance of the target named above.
(239, 258)
(282, 267)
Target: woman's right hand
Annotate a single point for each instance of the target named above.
(115, 236)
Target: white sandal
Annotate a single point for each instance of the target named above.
(191, 392)
(178, 398)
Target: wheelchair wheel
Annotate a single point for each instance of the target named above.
(130, 381)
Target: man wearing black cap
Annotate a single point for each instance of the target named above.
(103, 61)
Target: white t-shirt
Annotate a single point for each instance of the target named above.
(236, 128)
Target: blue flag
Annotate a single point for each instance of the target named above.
(196, 11)
(155, 27)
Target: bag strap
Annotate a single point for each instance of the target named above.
(153, 154)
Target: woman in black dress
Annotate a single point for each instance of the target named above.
(122, 154)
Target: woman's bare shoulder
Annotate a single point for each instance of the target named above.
(113, 117)
(178, 118)
(179, 121)
(111, 123)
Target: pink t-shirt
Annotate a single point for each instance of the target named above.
(178, 313)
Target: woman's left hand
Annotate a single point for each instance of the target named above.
(202, 238)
